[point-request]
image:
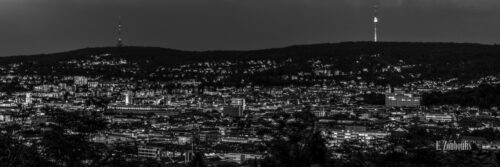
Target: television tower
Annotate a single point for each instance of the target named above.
(375, 21)
(120, 41)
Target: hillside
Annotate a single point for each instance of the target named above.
(381, 63)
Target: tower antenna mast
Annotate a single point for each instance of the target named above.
(120, 41)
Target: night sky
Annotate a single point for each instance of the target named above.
(45, 26)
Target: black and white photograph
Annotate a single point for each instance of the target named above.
(249, 83)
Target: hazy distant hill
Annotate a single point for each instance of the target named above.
(386, 62)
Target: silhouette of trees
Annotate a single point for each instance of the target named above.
(67, 143)
(68, 149)
(484, 96)
(13, 153)
(415, 149)
(197, 160)
(12, 87)
(374, 99)
(297, 143)
(433, 61)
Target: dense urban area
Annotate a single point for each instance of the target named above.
(346, 104)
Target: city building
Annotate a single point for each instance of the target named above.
(438, 117)
(238, 102)
(236, 108)
(80, 80)
(149, 152)
(29, 99)
(400, 99)
(142, 110)
(128, 99)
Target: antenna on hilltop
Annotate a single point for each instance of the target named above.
(375, 21)
(120, 41)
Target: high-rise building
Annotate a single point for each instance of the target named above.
(29, 99)
(127, 99)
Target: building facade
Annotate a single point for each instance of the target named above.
(149, 152)
(402, 100)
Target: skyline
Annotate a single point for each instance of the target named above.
(249, 83)
(43, 26)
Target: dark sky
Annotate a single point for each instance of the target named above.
(44, 26)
